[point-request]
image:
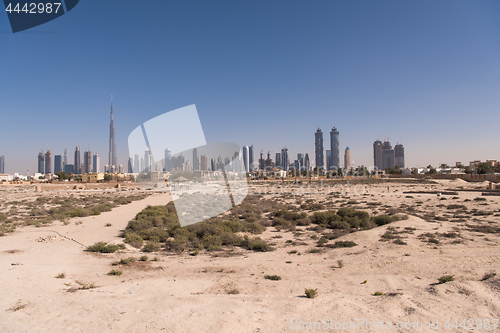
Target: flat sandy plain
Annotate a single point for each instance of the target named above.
(183, 293)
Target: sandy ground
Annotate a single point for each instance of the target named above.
(182, 293)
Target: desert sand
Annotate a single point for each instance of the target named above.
(183, 293)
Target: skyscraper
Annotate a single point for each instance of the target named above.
(318, 148)
(300, 158)
(76, 165)
(268, 163)
(48, 162)
(2, 164)
(204, 162)
(148, 159)
(130, 165)
(167, 160)
(278, 160)
(246, 158)
(57, 164)
(68, 168)
(347, 159)
(137, 163)
(387, 155)
(113, 164)
(399, 155)
(87, 162)
(96, 163)
(377, 155)
(196, 160)
(307, 162)
(41, 162)
(328, 159)
(334, 148)
(250, 157)
(285, 162)
(65, 158)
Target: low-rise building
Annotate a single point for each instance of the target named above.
(92, 177)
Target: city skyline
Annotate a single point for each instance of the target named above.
(370, 70)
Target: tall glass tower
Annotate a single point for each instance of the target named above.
(318, 145)
(334, 149)
(112, 143)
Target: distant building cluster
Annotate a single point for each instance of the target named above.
(90, 164)
(333, 154)
(385, 157)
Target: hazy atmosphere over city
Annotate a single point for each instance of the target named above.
(263, 73)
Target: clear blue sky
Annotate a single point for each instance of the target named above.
(267, 73)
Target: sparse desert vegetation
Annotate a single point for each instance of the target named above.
(311, 293)
(271, 246)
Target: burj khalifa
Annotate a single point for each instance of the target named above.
(112, 165)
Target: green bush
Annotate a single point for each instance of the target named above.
(446, 278)
(103, 247)
(134, 240)
(255, 244)
(340, 244)
(382, 219)
(144, 258)
(288, 215)
(125, 261)
(116, 272)
(272, 277)
(151, 247)
(311, 293)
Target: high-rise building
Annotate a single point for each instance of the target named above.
(268, 164)
(96, 163)
(121, 169)
(137, 164)
(246, 158)
(2, 164)
(328, 159)
(262, 161)
(130, 165)
(87, 162)
(399, 155)
(76, 165)
(307, 162)
(65, 157)
(387, 155)
(196, 160)
(168, 160)
(250, 158)
(377, 155)
(278, 160)
(57, 164)
(285, 162)
(148, 158)
(204, 162)
(112, 143)
(68, 168)
(41, 162)
(318, 148)
(48, 162)
(334, 148)
(347, 159)
(300, 158)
